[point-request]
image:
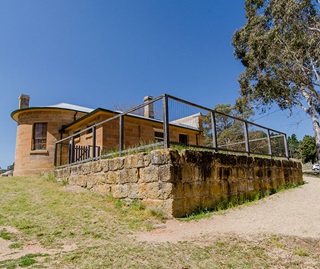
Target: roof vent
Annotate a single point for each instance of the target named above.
(24, 101)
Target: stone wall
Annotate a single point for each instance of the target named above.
(182, 183)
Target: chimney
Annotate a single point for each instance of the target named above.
(148, 109)
(24, 101)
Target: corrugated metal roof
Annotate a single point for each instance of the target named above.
(72, 107)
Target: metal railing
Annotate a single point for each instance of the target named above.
(215, 131)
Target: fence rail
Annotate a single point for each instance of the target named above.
(177, 120)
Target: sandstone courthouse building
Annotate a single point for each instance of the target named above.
(40, 127)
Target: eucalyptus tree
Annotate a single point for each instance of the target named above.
(293, 146)
(279, 47)
(228, 129)
(307, 148)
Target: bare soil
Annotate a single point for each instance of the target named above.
(280, 231)
(294, 213)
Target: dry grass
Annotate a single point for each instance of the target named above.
(80, 229)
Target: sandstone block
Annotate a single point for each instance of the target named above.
(149, 174)
(242, 185)
(156, 190)
(159, 157)
(125, 191)
(112, 177)
(74, 170)
(100, 178)
(250, 185)
(208, 202)
(134, 161)
(178, 190)
(86, 168)
(215, 189)
(166, 206)
(166, 173)
(96, 166)
(105, 165)
(187, 172)
(178, 208)
(147, 160)
(128, 175)
(116, 163)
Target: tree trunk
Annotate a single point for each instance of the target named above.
(312, 111)
(316, 130)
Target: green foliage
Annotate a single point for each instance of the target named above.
(293, 146)
(308, 150)
(279, 48)
(229, 131)
(10, 167)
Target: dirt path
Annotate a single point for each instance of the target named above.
(295, 212)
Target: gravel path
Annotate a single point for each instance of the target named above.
(294, 212)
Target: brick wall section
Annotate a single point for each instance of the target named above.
(182, 183)
(136, 131)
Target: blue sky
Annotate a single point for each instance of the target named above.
(102, 53)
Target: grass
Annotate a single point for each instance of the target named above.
(5, 235)
(80, 229)
(22, 262)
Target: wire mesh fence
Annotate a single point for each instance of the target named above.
(163, 122)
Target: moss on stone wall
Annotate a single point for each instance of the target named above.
(182, 183)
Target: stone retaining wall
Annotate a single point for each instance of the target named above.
(182, 183)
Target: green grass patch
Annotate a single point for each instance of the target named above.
(201, 214)
(301, 252)
(87, 230)
(4, 234)
(15, 245)
(22, 262)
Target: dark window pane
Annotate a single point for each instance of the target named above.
(39, 136)
(183, 139)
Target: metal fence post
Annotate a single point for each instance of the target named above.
(214, 131)
(72, 150)
(246, 137)
(121, 133)
(269, 143)
(94, 141)
(286, 145)
(55, 154)
(166, 136)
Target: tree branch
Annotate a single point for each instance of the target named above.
(314, 29)
(315, 70)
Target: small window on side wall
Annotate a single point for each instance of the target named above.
(39, 136)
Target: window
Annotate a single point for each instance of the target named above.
(183, 139)
(158, 136)
(39, 136)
